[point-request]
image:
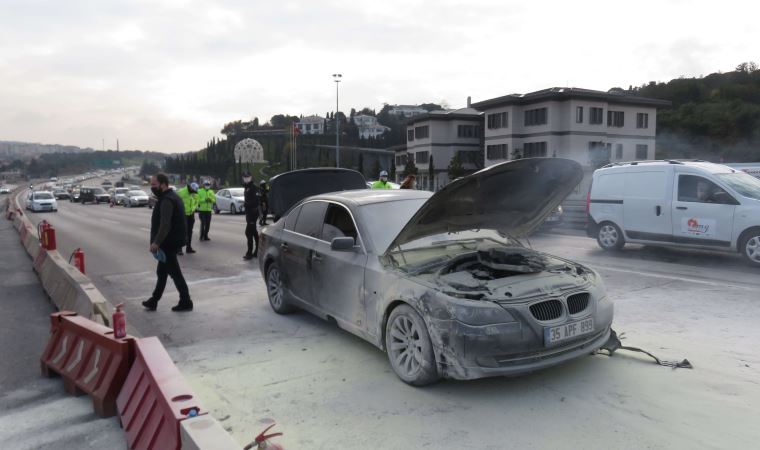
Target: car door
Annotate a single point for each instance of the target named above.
(296, 249)
(647, 205)
(703, 212)
(222, 200)
(337, 277)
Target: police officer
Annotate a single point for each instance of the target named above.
(263, 202)
(251, 198)
(382, 183)
(189, 196)
(206, 201)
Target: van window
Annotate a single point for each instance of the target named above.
(646, 185)
(696, 189)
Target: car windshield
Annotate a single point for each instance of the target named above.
(43, 196)
(136, 194)
(121, 190)
(745, 184)
(385, 220)
(238, 192)
(98, 191)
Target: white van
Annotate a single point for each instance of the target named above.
(676, 203)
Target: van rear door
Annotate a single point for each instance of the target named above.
(647, 204)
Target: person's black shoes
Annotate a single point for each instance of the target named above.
(190, 250)
(150, 304)
(188, 306)
(248, 257)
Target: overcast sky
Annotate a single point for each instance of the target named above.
(165, 75)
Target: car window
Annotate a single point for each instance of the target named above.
(338, 223)
(290, 219)
(743, 183)
(695, 189)
(309, 221)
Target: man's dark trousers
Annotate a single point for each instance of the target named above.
(170, 268)
(190, 222)
(205, 217)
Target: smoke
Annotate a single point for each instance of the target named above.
(678, 146)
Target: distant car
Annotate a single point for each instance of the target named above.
(41, 201)
(135, 198)
(119, 195)
(75, 194)
(93, 195)
(230, 200)
(554, 219)
(61, 194)
(4, 190)
(439, 281)
(106, 183)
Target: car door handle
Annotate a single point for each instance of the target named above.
(682, 208)
(657, 210)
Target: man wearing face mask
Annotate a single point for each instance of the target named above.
(167, 235)
(251, 198)
(382, 183)
(189, 196)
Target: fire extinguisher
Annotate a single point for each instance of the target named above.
(46, 233)
(262, 441)
(119, 322)
(78, 257)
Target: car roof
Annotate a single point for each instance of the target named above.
(697, 166)
(361, 197)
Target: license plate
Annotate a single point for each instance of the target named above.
(554, 335)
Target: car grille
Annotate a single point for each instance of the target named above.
(548, 310)
(577, 302)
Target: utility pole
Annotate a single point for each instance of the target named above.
(336, 78)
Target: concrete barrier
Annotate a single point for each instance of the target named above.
(205, 432)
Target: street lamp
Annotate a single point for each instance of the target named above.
(336, 78)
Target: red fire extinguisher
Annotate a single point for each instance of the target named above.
(262, 441)
(46, 233)
(119, 322)
(78, 257)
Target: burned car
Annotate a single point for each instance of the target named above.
(441, 282)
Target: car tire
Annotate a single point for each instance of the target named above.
(216, 210)
(275, 291)
(409, 348)
(750, 246)
(609, 236)
(233, 210)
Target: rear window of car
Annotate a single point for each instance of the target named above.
(310, 219)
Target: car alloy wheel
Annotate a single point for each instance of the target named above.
(410, 351)
(610, 237)
(275, 291)
(751, 250)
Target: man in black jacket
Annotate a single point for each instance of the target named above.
(251, 199)
(167, 236)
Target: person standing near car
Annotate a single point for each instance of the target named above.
(189, 196)
(206, 201)
(263, 202)
(251, 199)
(382, 183)
(167, 236)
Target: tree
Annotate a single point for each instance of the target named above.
(409, 168)
(456, 169)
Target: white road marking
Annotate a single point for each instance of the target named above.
(145, 229)
(677, 278)
(114, 222)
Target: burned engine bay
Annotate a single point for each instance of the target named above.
(502, 273)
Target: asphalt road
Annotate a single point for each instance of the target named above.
(327, 388)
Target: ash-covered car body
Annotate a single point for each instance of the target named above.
(440, 281)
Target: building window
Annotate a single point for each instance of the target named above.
(316, 126)
(535, 117)
(400, 160)
(596, 116)
(497, 120)
(615, 119)
(421, 132)
(409, 135)
(421, 157)
(618, 151)
(467, 156)
(534, 149)
(579, 114)
(642, 120)
(497, 151)
(468, 131)
(642, 151)
(308, 127)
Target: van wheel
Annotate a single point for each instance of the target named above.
(750, 247)
(610, 237)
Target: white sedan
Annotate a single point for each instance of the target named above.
(135, 198)
(230, 200)
(41, 201)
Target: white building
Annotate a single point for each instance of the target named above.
(311, 125)
(407, 111)
(591, 127)
(442, 135)
(368, 126)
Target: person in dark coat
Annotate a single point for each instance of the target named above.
(251, 199)
(263, 202)
(168, 234)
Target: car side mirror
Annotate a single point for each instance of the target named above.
(342, 244)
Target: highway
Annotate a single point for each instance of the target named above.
(324, 386)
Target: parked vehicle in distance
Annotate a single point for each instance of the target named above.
(41, 201)
(61, 194)
(4, 190)
(439, 281)
(119, 195)
(689, 204)
(135, 198)
(89, 194)
(106, 183)
(231, 200)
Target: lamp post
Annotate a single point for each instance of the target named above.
(336, 78)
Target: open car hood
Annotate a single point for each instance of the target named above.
(287, 189)
(512, 197)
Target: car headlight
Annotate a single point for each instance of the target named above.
(480, 312)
